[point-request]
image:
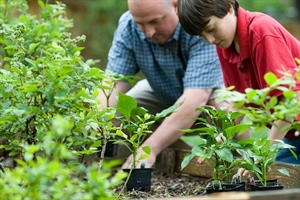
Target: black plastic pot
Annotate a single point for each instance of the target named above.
(213, 187)
(271, 185)
(139, 179)
(110, 151)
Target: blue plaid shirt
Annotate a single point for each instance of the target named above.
(184, 62)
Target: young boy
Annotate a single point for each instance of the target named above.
(249, 44)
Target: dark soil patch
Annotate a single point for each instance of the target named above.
(165, 186)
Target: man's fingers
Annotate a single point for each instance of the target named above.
(201, 160)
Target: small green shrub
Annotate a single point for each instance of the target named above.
(46, 177)
(42, 75)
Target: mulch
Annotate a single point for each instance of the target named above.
(166, 186)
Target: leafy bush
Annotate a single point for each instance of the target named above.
(43, 76)
(46, 177)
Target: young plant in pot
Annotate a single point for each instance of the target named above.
(259, 153)
(217, 145)
(135, 123)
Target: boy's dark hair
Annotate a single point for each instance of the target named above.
(194, 15)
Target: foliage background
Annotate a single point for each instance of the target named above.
(97, 19)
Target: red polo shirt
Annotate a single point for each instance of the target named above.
(265, 46)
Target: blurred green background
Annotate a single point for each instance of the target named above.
(97, 19)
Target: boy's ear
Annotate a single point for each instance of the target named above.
(231, 10)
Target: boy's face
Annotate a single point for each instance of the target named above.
(157, 20)
(221, 31)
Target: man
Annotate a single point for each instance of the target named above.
(177, 67)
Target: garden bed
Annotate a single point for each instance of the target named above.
(168, 181)
(180, 186)
(166, 186)
(206, 171)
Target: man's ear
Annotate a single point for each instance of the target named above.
(175, 4)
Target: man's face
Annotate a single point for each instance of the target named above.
(156, 19)
(221, 31)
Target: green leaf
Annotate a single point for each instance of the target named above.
(33, 46)
(225, 154)
(250, 93)
(62, 93)
(147, 149)
(7, 59)
(186, 160)
(193, 140)
(237, 129)
(137, 113)
(284, 171)
(84, 65)
(65, 70)
(30, 61)
(168, 111)
(270, 78)
(96, 144)
(289, 94)
(143, 156)
(121, 134)
(125, 105)
(9, 47)
(30, 87)
(273, 102)
(200, 152)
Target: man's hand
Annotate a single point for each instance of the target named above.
(148, 161)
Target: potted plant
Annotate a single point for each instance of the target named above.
(135, 123)
(259, 153)
(216, 144)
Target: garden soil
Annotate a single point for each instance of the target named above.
(166, 186)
